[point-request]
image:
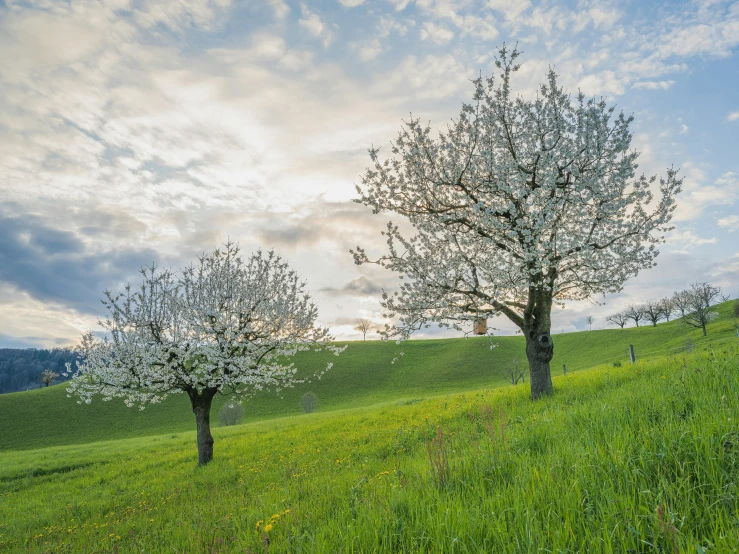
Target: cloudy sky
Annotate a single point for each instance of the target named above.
(133, 132)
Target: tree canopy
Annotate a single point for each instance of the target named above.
(518, 204)
(222, 325)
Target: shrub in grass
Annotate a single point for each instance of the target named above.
(689, 345)
(231, 414)
(309, 402)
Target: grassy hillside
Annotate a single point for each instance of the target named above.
(639, 458)
(363, 375)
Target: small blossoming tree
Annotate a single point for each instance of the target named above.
(47, 377)
(518, 205)
(222, 325)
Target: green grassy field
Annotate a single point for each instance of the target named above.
(639, 458)
(362, 376)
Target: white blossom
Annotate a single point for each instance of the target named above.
(221, 324)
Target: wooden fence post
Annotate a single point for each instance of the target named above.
(631, 353)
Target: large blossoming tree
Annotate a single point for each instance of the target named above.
(222, 325)
(518, 205)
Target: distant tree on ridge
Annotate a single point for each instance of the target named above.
(47, 377)
(619, 319)
(635, 312)
(363, 325)
(703, 297)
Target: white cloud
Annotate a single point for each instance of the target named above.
(599, 17)
(389, 25)
(729, 181)
(311, 21)
(685, 240)
(639, 54)
(653, 85)
(369, 50)
(716, 35)
(41, 324)
(41, 41)
(436, 33)
(268, 47)
(698, 195)
(179, 15)
(726, 274)
(265, 47)
(731, 223)
(400, 4)
(313, 24)
(511, 10)
(547, 20)
(478, 27)
(469, 24)
(733, 116)
(280, 8)
(351, 3)
(296, 60)
(605, 82)
(419, 80)
(603, 17)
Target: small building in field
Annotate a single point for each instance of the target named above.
(480, 326)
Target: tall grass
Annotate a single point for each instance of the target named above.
(633, 459)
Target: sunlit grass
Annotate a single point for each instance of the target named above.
(639, 458)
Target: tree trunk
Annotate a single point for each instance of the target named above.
(704, 329)
(201, 402)
(539, 345)
(539, 351)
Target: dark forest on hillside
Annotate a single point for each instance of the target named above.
(20, 368)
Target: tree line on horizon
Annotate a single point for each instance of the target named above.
(22, 368)
(694, 306)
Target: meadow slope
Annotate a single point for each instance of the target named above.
(638, 458)
(363, 375)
